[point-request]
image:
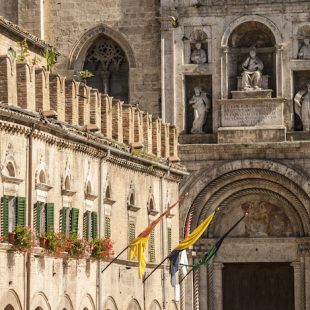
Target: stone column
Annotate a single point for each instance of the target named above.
(167, 70)
(307, 281)
(217, 286)
(298, 285)
(224, 72)
(279, 70)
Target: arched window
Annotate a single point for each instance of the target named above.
(42, 178)
(9, 307)
(67, 183)
(108, 193)
(11, 169)
(151, 205)
(107, 61)
(88, 188)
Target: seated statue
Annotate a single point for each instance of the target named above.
(201, 105)
(304, 52)
(302, 107)
(199, 55)
(252, 71)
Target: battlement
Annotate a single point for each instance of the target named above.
(34, 89)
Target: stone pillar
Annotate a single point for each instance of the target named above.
(95, 103)
(167, 70)
(147, 132)
(71, 102)
(106, 115)
(42, 89)
(156, 137)
(307, 281)
(299, 284)
(83, 105)
(57, 95)
(217, 286)
(117, 120)
(224, 72)
(165, 141)
(279, 70)
(128, 122)
(8, 93)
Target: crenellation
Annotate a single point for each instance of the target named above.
(57, 95)
(156, 137)
(138, 127)
(71, 101)
(173, 143)
(106, 115)
(128, 124)
(25, 86)
(94, 107)
(147, 132)
(42, 88)
(117, 120)
(83, 100)
(8, 93)
(165, 153)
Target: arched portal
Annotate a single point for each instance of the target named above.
(270, 240)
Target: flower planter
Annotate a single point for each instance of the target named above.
(11, 237)
(43, 242)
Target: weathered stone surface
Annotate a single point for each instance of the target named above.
(241, 94)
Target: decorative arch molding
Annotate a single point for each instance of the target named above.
(110, 304)
(11, 298)
(251, 18)
(134, 305)
(227, 178)
(87, 302)
(155, 305)
(172, 305)
(40, 300)
(66, 303)
(78, 53)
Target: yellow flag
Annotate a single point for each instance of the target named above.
(195, 235)
(137, 248)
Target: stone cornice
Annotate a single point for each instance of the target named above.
(62, 137)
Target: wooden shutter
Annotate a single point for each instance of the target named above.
(5, 216)
(152, 246)
(74, 225)
(63, 220)
(107, 227)
(87, 225)
(37, 217)
(132, 232)
(169, 236)
(20, 211)
(49, 214)
(94, 225)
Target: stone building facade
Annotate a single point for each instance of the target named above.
(76, 158)
(186, 61)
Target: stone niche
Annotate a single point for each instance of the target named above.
(300, 79)
(242, 38)
(205, 83)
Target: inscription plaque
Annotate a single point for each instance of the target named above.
(241, 113)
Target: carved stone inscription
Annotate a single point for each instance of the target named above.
(251, 114)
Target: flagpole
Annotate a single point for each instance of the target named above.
(221, 240)
(114, 259)
(156, 268)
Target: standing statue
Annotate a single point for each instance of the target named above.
(252, 71)
(302, 107)
(304, 52)
(201, 105)
(199, 55)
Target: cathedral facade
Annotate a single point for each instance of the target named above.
(233, 77)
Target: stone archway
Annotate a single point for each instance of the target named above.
(40, 301)
(277, 226)
(10, 301)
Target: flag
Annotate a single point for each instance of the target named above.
(138, 246)
(211, 253)
(191, 239)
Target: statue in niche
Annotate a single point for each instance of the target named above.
(199, 55)
(201, 105)
(304, 52)
(302, 107)
(252, 71)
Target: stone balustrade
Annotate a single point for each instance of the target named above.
(34, 89)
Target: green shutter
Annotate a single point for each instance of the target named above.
(94, 225)
(49, 214)
(63, 220)
(169, 239)
(87, 225)
(74, 227)
(20, 211)
(5, 216)
(37, 218)
(152, 246)
(107, 227)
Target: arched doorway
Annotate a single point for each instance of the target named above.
(108, 62)
(261, 264)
